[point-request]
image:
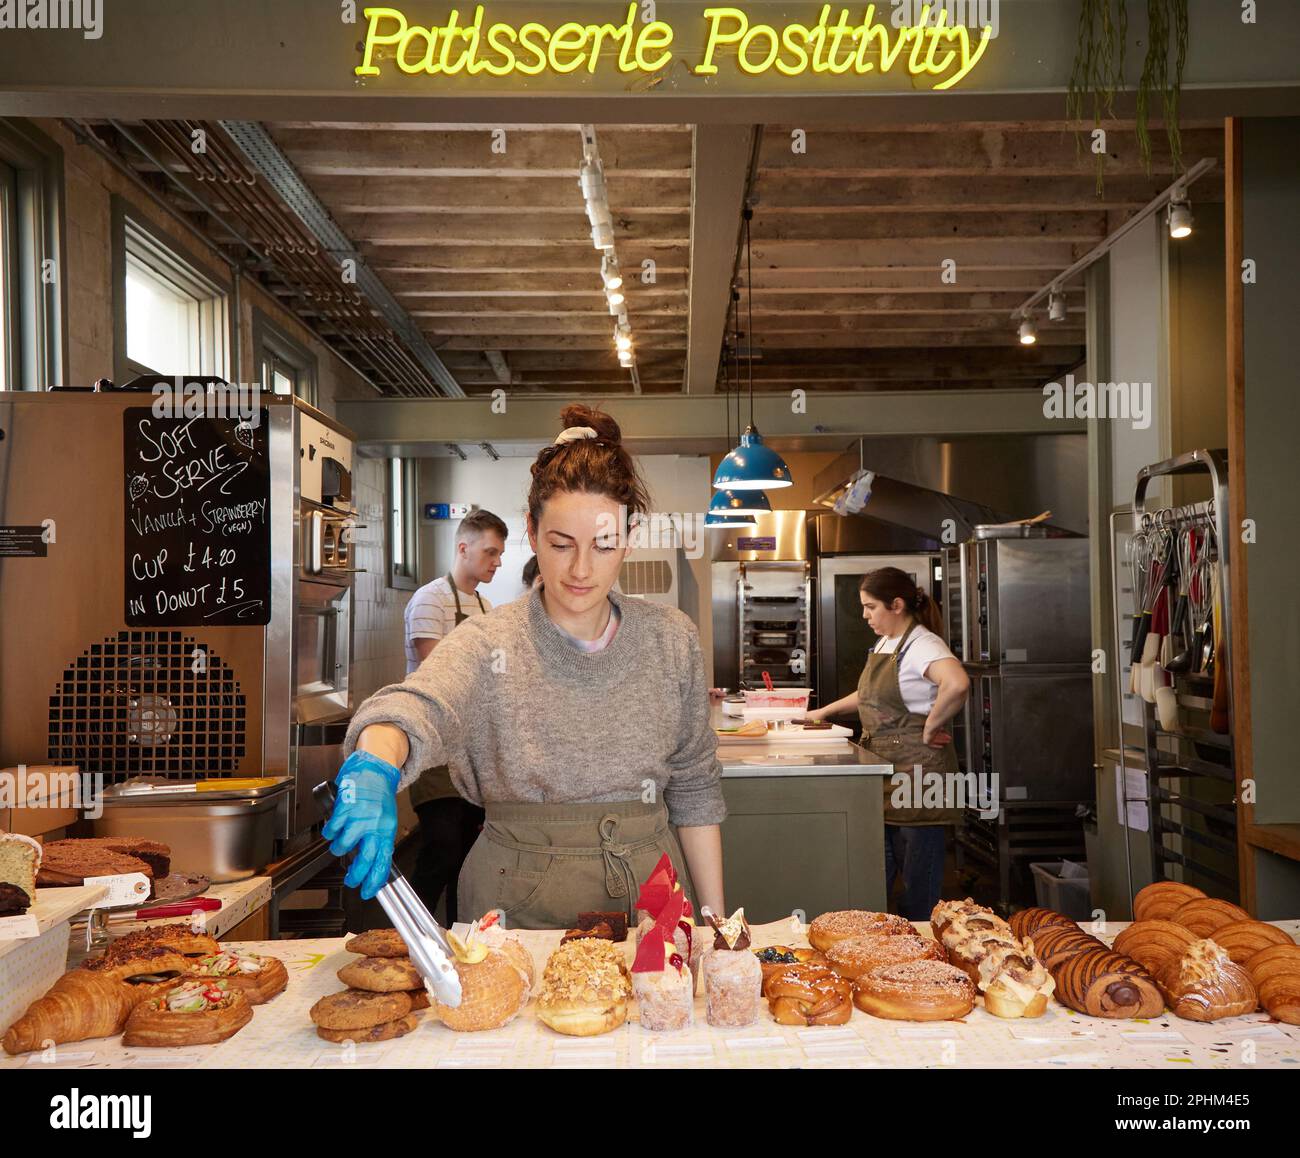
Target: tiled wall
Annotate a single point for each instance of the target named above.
(379, 656)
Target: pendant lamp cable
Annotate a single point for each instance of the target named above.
(749, 298)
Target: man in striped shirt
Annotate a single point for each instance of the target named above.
(449, 824)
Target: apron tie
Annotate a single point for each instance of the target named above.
(615, 853)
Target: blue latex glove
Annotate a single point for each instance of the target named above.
(365, 819)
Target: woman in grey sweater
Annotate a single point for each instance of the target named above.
(576, 717)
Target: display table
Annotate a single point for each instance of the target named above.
(281, 1035)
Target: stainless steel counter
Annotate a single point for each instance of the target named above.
(794, 758)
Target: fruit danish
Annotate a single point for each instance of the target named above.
(196, 1012)
(261, 978)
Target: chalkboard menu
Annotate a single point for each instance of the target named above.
(198, 520)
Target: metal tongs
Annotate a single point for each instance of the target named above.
(430, 950)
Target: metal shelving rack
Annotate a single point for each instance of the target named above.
(786, 615)
(1165, 765)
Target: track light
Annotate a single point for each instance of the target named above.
(1180, 216)
(622, 338)
(1028, 332)
(625, 358)
(592, 182)
(602, 235)
(616, 299)
(609, 273)
(1056, 306)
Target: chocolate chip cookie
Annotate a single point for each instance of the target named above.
(355, 1010)
(378, 943)
(385, 1032)
(381, 974)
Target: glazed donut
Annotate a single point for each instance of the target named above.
(850, 924)
(852, 959)
(916, 991)
(809, 995)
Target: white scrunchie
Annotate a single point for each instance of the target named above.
(574, 433)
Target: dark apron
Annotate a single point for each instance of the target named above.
(891, 731)
(435, 783)
(541, 865)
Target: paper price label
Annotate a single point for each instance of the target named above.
(124, 889)
(19, 928)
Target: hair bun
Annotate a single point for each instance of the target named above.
(577, 414)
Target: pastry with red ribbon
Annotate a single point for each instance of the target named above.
(660, 891)
(662, 981)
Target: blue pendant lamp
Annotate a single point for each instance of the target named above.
(752, 466)
(728, 509)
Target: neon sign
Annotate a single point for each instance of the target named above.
(930, 47)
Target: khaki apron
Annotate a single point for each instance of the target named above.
(435, 783)
(891, 731)
(543, 864)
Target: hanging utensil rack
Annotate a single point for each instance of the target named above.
(1185, 762)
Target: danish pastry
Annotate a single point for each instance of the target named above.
(261, 978)
(774, 958)
(809, 995)
(1015, 983)
(853, 959)
(179, 937)
(196, 1012)
(145, 973)
(850, 924)
(916, 991)
(943, 914)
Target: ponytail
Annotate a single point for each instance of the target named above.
(889, 583)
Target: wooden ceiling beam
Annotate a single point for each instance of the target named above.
(512, 229)
(531, 194)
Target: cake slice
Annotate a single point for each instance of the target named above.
(154, 853)
(20, 857)
(70, 862)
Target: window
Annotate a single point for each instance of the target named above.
(402, 526)
(171, 316)
(31, 290)
(285, 366)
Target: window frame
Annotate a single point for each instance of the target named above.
(169, 260)
(408, 578)
(37, 350)
(271, 343)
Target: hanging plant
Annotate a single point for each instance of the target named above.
(1098, 72)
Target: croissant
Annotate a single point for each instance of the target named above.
(1276, 974)
(809, 995)
(1203, 915)
(1205, 984)
(1157, 902)
(1241, 940)
(1027, 922)
(1103, 983)
(1154, 944)
(81, 1004)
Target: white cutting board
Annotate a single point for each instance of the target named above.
(56, 905)
(835, 734)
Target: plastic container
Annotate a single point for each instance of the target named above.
(1063, 886)
(794, 700)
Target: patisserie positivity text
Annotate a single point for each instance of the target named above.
(930, 44)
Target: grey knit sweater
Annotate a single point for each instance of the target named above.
(518, 714)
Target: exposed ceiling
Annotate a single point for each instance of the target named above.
(480, 234)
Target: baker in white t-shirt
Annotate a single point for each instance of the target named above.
(911, 687)
(449, 824)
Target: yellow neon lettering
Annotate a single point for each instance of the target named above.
(715, 16)
(494, 37)
(654, 35)
(571, 37)
(374, 16)
(425, 63)
(743, 59)
(967, 60)
(833, 44)
(527, 45)
(800, 51)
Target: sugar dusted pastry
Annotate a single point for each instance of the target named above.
(733, 978)
(585, 989)
(849, 924)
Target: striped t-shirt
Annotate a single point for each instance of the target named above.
(431, 614)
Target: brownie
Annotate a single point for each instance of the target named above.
(70, 862)
(597, 932)
(154, 853)
(14, 900)
(617, 923)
